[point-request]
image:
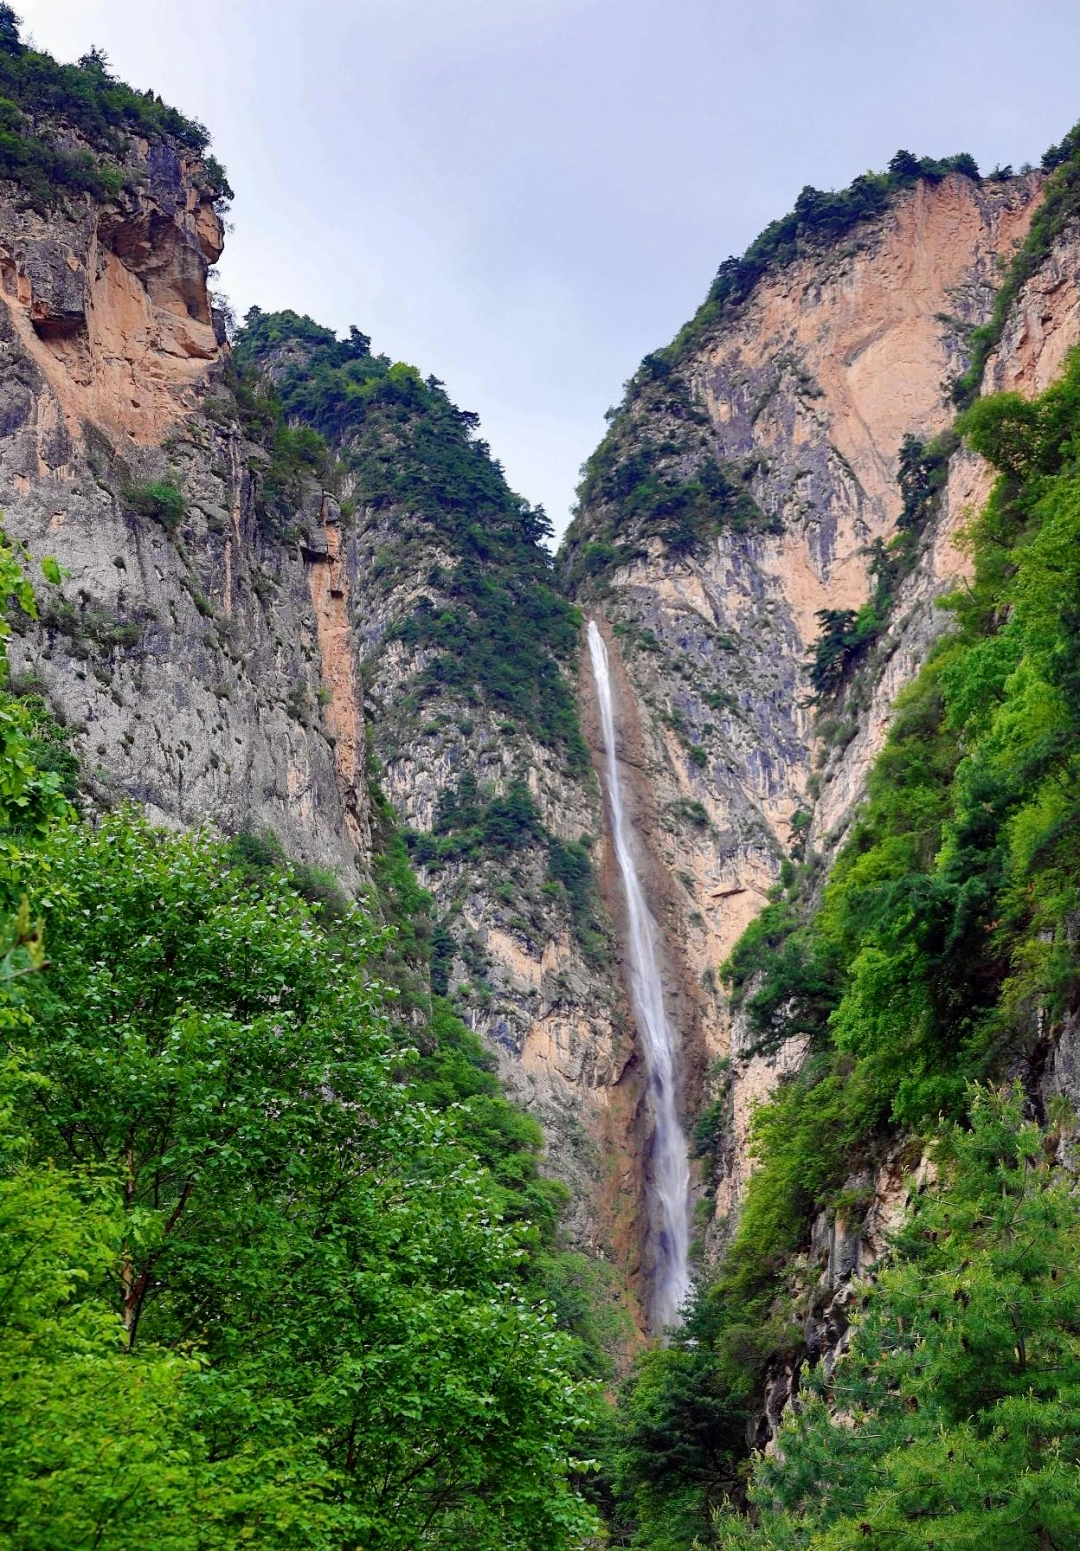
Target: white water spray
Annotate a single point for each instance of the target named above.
(671, 1169)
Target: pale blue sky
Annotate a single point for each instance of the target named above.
(525, 196)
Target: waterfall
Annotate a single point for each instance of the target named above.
(670, 1166)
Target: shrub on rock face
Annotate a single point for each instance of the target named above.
(161, 500)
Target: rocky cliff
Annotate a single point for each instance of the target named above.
(293, 574)
(468, 657)
(267, 596)
(187, 647)
(755, 475)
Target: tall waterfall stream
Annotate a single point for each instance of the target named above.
(670, 1166)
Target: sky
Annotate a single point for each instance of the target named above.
(527, 196)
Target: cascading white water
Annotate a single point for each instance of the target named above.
(671, 1168)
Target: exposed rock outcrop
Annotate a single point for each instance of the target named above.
(801, 398)
(221, 664)
(184, 650)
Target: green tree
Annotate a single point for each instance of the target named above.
(953, 1420)
(97, 1444)
(329, 1244)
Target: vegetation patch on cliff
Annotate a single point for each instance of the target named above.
(1060, 204)
(846, 635)
(499, 630)
(50, 113)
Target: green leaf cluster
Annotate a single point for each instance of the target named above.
(951, 1420)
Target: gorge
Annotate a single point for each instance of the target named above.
(435, 968)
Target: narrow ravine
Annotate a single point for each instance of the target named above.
(670, 1182)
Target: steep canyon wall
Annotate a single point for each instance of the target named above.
(237, 647)
(790, 412)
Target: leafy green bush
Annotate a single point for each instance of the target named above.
(162, 500)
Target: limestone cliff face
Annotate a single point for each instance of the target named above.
(1042, 326)
(109, 302)
(548, 1004)
(468, 663)
(802, 398)
(189, 652)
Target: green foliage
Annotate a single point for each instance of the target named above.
(785, 975)
(677, 1449)
(97, 1442)
(501, 633)
(472, 826)
(943, 939)
(682, 512)
(570, 866)
(295, 455)
(162, 500)
(35, 769)
(259, 857)
(452, 1069)
(49, 748)
(41, 99)
(43, 171)
(634, 474)
(649, 499)
(941, 951)
(923, 471)
(952, 1419)
(233, 1068)
(844, 638)
(846, 635)
(469, 825)
(822, 218)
